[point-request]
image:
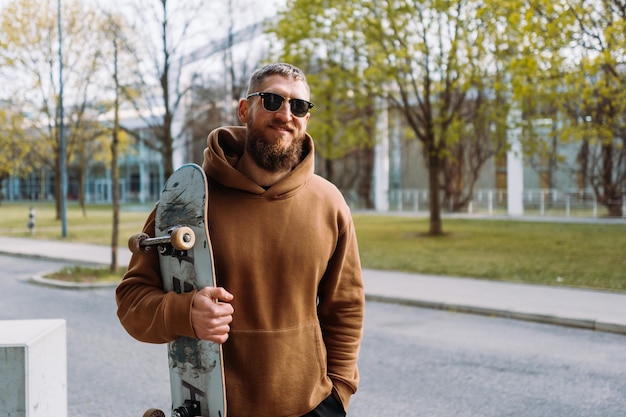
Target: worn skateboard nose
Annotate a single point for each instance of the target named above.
(153, 412)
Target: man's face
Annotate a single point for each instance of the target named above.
(274, 139)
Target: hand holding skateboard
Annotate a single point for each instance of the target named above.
(210, 317)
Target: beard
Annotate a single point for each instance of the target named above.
(272, 156)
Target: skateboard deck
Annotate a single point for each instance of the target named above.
(185, 256)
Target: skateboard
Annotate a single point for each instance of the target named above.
(186, 260)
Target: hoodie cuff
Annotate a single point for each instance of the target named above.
(342, 392)
(178, 314)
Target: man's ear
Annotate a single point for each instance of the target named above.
(242, 111)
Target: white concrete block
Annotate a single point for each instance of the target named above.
(33, 368)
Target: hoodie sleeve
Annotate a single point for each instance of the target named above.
(341, 310)
(145, 310)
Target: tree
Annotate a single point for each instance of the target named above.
(344, 117)
(476, 136)
(177, 23)
(30, 57)
(118, 51)
(571, 68)
(13, 143)
(600, 82)
(425, 57)
(214, 95)
(115, 172)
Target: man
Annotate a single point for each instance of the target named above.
(291, 304)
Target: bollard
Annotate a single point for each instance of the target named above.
(31, 220)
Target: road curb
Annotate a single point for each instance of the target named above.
(49, 282)
(52, 258)
(596, 325)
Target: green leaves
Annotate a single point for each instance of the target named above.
(15, 147)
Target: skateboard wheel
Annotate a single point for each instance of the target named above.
(183, 238)
(154, 412)
(134, 242)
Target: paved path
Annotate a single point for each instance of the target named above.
(598, 310)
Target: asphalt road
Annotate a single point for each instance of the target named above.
(414, 362)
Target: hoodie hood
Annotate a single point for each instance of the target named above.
(225, 146)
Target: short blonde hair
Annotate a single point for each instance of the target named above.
(280, 68)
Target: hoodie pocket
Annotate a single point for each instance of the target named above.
(277, 373)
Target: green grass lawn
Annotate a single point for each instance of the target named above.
(578, 255)
(566, 254)
(94, 226)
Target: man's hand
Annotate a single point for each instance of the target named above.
(211, 314)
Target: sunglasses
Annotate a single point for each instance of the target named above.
(272, 102)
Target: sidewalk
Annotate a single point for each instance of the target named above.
(597, 310)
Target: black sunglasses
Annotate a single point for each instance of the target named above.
(272, 102)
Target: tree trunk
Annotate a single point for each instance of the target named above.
(115, 177)
(366, 168)
(82, 179)
(434, 167)
(168, 153)
(583, 161)
(167, 141)
(2, 178)
(115, 174)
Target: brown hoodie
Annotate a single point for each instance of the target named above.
(289, 256)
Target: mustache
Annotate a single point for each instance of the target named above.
(278, 124)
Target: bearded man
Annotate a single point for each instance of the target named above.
(290, 297)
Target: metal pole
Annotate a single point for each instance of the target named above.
(62, 167)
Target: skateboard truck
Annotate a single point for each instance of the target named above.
(179, 237)
(188, 409)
